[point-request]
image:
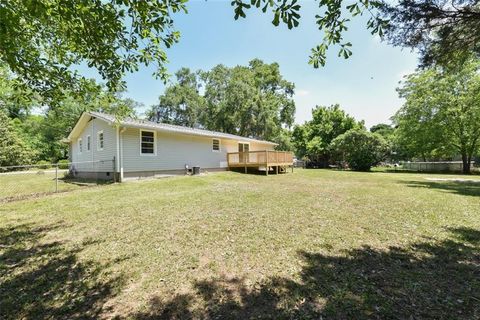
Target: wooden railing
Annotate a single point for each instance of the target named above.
(260, 158)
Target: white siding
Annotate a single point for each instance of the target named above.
(88, 160)
(174, 151)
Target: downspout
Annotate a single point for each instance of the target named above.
(117, 157)
(121, 152)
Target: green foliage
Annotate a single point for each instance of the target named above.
(313, 139)
(385, 130)
(13, 149)
(43, 41)
(44, 132)
(332, 19)
(252, 101)
(441, 115)
(360, 149)
(284, 140)
(442, 31)
(42, 164)
(63, 164)
(181, 104)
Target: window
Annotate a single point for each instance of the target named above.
(215, 145)
(88, 143)
(80, 145)
(100, 140)
(147, 142)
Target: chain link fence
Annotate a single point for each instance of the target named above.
(25, 181)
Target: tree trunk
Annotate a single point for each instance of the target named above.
(466, 163)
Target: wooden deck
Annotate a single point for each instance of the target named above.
(279, 161)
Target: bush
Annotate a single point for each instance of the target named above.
(360, 149)
(63, 164)
(42, 164)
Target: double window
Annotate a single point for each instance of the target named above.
(100, 140)
(147, 142)
(216, 145)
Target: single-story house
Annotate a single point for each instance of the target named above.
(101, 146)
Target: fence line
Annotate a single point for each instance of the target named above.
(47, 178)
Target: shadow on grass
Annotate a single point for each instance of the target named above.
(44, 280)
(466, 188)
(427, 280)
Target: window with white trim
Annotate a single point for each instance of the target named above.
(216, 145)
(147, 142)
(80, 145)
(100, 140)
(89, 140)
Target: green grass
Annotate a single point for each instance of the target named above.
(36, 182)
(228, 245)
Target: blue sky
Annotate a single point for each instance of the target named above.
(364, 85)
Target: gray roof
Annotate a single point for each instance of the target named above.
(144, 124)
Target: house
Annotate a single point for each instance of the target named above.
(102, 147)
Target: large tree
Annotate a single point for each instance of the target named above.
(181, 103)
(441, 114)
(42, 127)
(313, 139)
(44, 41)
(252, 101)
(442, 30)
(13, 149)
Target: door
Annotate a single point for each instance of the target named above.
(243, 148)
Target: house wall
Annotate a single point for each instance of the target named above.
(94, 160)
(174, 151)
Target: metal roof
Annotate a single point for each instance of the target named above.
(144, 124)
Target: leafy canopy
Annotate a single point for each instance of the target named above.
(42, 41)
(441, 114)
(312, 139)
(253, 101)
(360, 149)
(13, 149)
(442, 30)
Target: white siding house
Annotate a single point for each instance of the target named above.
(102, 146)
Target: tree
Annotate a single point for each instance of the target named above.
(441, 114)
(441, 30)
(181, 104)
(252, 101)
(58, 121)
(13, 150)
(44, 131)
(360, 149)
(16, 102)
(314, 137)
(383, 129)
(43, 41)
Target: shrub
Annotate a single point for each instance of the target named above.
(360, 149)
(63, 164)
(42, 164)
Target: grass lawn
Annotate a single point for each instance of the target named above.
(313, 243)
(20, 185)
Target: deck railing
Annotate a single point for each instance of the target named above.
(260, 158)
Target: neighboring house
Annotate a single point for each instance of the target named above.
(101, 146)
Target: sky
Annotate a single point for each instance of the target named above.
(364, 85)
